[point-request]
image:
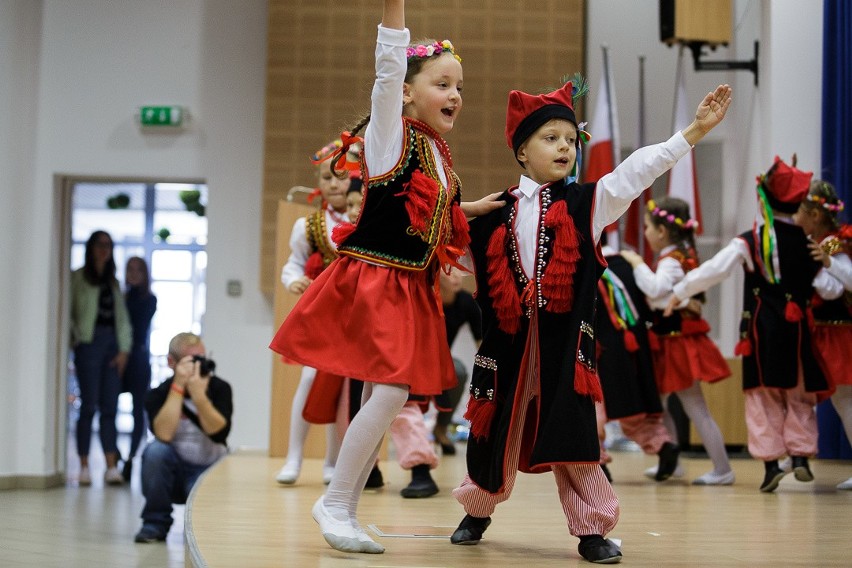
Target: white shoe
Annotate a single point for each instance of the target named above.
(327, 473)
(712, 478)
(289, 473)
(651, 472)
(340, 535)
(846, 485)
(85, 478)
(113, 476)
(368, 545)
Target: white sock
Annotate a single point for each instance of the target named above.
(692, 400)
(298, 425)
(360, 446)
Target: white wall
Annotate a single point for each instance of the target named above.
(73, 72)
(780, 116)
(77, 74)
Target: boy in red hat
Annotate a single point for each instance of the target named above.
(534, 385)
(781, 375)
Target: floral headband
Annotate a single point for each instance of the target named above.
(833, 208)
(670, 217)
(431, 49)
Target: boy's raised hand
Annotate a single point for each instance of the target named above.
(709, 114)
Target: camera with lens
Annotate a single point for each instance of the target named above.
(205, 366)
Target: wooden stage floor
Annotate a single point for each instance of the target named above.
(240, 517)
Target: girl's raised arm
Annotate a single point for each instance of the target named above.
(394, 14)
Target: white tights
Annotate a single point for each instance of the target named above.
(692, 400)
(842, 401)
(299, 426)
(380, 404)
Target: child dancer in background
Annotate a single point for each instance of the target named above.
(377, 301)
(832, 301)
(625, 364)
(686, 356)
(781, 376)
(311, 250)
(534, 386)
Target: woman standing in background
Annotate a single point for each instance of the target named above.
(141, 305)
(101, 337)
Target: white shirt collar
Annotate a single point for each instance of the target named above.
(666, 250)
(527, 186)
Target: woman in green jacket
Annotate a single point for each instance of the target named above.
(101, 336)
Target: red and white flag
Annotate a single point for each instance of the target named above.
(683, 181)
(605, 141)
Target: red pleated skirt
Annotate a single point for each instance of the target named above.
(832, 344)
(683, 359)
(372, 323)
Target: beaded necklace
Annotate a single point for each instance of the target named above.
(440, 143)
(543, 239)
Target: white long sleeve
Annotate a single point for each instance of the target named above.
(383, 137)
(616, 190)
(300, 250)
(841, 268)
(657, 286)
(713, 271)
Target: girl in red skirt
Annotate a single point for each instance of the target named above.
(686, 356)
(832, 302)
(377, 304)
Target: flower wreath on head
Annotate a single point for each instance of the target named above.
(428, 50)
(654, 210)
(834, 208)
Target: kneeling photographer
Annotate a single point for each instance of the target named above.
(190, 416)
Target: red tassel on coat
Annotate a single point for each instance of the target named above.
(653, 341)
(793, 312)
(810, 315)
(630, 342)
(586, 382)
(314, 266)
(480, 413)
(743, 347)
(557, 284)
(504, 293)
(341, 232)
(461, 228)
(422, 195)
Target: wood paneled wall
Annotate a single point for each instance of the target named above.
(320, 69)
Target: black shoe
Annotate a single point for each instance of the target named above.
(150, 533)
(773, 477)
(422, 484)
(599, 550)
(375, 481)
(448, 449)
(470, 530)
(668, 461)
(801, 470)
(606, 472)
(127, 470)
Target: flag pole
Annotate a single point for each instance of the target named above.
(615, 151)
(640, 238)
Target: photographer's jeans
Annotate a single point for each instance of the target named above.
(166, 479)
(100, 386)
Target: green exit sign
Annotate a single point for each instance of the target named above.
(161, 115)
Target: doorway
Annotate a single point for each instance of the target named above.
(165, 223)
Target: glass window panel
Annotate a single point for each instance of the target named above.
(171, 265)
(174, 313)
(120, 224)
